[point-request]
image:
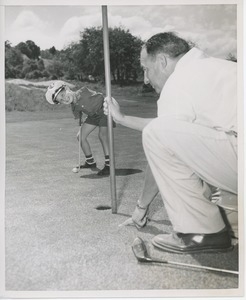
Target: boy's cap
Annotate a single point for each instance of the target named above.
(53, 90)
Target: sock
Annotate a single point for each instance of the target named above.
(89, 159)
(107, 160)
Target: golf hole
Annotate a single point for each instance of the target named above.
(103, 207)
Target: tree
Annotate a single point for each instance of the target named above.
(91, 52)
(52, 50)
(13, 61)
(45, 54)
(30, 49)
(72, 61)
(49, 53)
(23, 48)
(7, 44)
(34, 49)
(81, 60)
(124, 53)
(56, 69)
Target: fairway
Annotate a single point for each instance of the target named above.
(56, 239)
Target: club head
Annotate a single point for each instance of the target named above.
(140, 251)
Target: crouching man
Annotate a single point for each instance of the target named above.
(191, 145)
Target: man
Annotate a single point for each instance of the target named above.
(192, 144)
(90, 103)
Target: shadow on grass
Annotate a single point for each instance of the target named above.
(223, 260)
(103, 207)
(118, 172)
(161, 222)
(150, 229)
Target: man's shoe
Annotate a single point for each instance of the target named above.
(193, 243)
(105, 171)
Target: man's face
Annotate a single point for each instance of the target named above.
(63, 98)
(152, 71)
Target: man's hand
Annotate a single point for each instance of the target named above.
(113, 107)
(139, 218)
(225, 199)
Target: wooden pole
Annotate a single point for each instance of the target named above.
(110, 121)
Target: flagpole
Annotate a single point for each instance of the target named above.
(110, 121)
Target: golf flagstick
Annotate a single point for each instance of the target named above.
(80, 124)
(110, 121)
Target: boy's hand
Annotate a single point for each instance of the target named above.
(80, 118)
(75, 111)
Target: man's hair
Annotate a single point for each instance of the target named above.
(168, 43)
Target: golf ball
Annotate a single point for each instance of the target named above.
(75, 170)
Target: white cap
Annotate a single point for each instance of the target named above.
(53, 90)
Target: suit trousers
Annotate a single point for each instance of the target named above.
(185, 159)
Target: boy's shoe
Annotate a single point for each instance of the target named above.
(88, 166)
(105, 171)
(84, 166)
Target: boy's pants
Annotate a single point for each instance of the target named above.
(184, 159)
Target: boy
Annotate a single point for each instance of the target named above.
(90, 103)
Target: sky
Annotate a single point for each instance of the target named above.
(213, 28)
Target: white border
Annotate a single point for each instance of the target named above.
(2, 153)
(115, 2)
(124, 293)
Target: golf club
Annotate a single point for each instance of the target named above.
(79, 148)
(140, 251)
(77, 169)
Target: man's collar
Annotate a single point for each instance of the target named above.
(185, 60)
(194, 53)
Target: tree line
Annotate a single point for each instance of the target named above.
(82, 60)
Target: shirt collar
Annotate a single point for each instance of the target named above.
(185, 60)
(191, 55)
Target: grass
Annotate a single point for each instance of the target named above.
(55, 238)
(25, 98)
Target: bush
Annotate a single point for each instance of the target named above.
(29, 66)
(34, 74)
(53, 77)
(45, 74)
(9, 71)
